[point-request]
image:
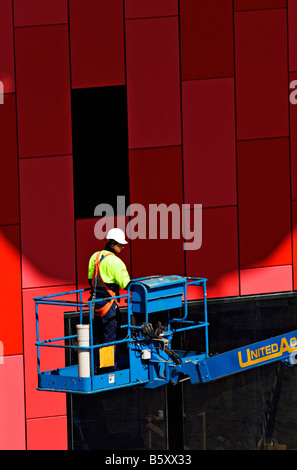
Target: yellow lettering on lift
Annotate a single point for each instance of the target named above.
(268, 352)
(254, 354)
(274, 348)
(284, 346)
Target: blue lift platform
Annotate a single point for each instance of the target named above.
(150, 362)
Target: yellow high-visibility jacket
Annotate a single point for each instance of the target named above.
(112, 269)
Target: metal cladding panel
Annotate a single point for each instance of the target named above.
(258, 4)
(150, 257)
(266, 280)
(209, 149)
(155, 255)
(153, 82)
(9, 182)
(293, 133)
(12, 406)
(264, 203)
(294, 235)
(11, 329)
(292, 32)
(97, 43)
(48, 242)
(162, 165)
(51, 321)
(217, 259)
(261, 74)
(206, 39)
(48, 433)
(43, 91)
(150, 8)
(6, 50)
(40, 12)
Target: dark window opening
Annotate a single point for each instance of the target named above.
(100, 148)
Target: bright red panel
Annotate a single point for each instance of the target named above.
(258, 4)
(51, 323)
(265, 280)
(97, 43)
(150, 8)
(48, 244)
(47, 433)
(217, 259)
(153, 82)
(292, 24)
(11, 331)
(6, 47)
(264, 203)
(87, 244)
(162, 185)
(261, 74)
(293, 132)
(43, 92)
(40, 12)
(9, 186)
(209, 142)
(12, 404)
(206, 34)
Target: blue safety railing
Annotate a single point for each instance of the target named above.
(85, 309)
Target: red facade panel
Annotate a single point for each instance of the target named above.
(11, 331)
(293, 133)
(264, 203)
(209, 142)
(9, 187)
(206, 38)
(261, 74)
(47, 433)
(292, 25)
(43, 91)
(6, 47)
(294, 235)
(259, 4)
(162, 168)
(12, 406)
(150, 8)
(153, 82)
(97, 43)
(40, 12)
(48, 245)
(266, 280)
(162, 187)
(157, 257)
(51, 323)
(217, 259)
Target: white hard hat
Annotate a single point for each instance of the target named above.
(117, 235)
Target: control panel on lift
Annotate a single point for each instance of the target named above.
(157, 294)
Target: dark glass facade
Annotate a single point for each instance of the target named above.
(251, 410)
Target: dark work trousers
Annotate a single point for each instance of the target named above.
(105, 331)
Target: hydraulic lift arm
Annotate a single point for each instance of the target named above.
(280, 348)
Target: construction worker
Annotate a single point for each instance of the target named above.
(106, 274)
